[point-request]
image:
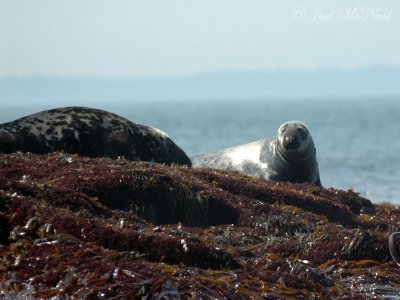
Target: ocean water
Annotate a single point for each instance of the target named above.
(357, 141)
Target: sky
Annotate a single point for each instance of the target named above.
(123, 38)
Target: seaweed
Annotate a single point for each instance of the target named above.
(99, 228)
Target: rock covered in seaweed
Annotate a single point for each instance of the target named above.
(102, 228)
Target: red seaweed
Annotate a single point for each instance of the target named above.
(114, 229)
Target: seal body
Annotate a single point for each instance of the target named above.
(290, 156)
(89, 132)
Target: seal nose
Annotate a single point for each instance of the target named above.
(291, 142)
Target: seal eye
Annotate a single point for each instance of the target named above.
(302, 132)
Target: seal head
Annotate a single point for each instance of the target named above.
(294, 139)
(295, 159)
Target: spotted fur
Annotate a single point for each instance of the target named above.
(89, 132)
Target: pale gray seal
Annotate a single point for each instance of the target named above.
(291, 156)
(89, 132)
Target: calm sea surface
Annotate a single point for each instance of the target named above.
(358, 142)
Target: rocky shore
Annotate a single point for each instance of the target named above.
(98, 228)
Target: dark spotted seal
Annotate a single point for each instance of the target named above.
(290, 156)
(89, 132)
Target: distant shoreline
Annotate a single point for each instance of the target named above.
(361, 83)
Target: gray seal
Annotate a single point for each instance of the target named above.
(291, 156)
(89, 132)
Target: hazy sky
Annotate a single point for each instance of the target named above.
(175, 37)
